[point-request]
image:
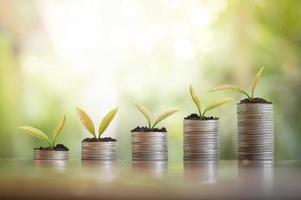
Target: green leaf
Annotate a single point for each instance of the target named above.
(86, 121)
(35, 133)
(164, 116)
(254, 83)
(195, 99)
(217, 104)
(106, 121)
(230, 88)
(58, 129)
(146, 114)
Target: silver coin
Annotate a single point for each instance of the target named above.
(255, 132)
(255, 146)
(99, 150)
(50, 155)
(149, 146)
(200, 140)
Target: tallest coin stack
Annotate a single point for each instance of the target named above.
(255, 131)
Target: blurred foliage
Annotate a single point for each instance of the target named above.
(9, 90)
(53, 59)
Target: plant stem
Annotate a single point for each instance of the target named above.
(248, 96)
(152, 126)
(203, 115)
(51, 145)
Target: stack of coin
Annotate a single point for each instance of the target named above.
(50, 155)
(149, 146)
(201, 140)
(99, 150)
(255, 132)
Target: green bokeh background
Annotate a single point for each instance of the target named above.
(205, 43)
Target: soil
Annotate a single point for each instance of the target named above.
(58, 147)
(255, 100)
(194, 116)
(146, 129)
(105, 139)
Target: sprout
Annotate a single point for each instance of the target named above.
(211, 106)
(42, 136)
(238, 89)
(148, 116)
(88, 124)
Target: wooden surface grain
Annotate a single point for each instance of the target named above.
(76, 179)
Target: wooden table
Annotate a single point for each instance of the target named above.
(28, 179)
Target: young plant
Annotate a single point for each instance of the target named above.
(211, 106)
(42, 136)
(240, 90)
(88, 124)
(148, 116)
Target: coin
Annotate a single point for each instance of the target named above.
(201, 140)
(50, 155)
(99, 150)
(149, 146)
(255, 132)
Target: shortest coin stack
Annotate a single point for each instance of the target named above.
(255, 132)
(148, 146)
(50, 155)
(201, 140)
(99, 150)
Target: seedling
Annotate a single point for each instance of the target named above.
(148, 115)
(211, 106)
(88, 124)
(42, 136)
(240, 90)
